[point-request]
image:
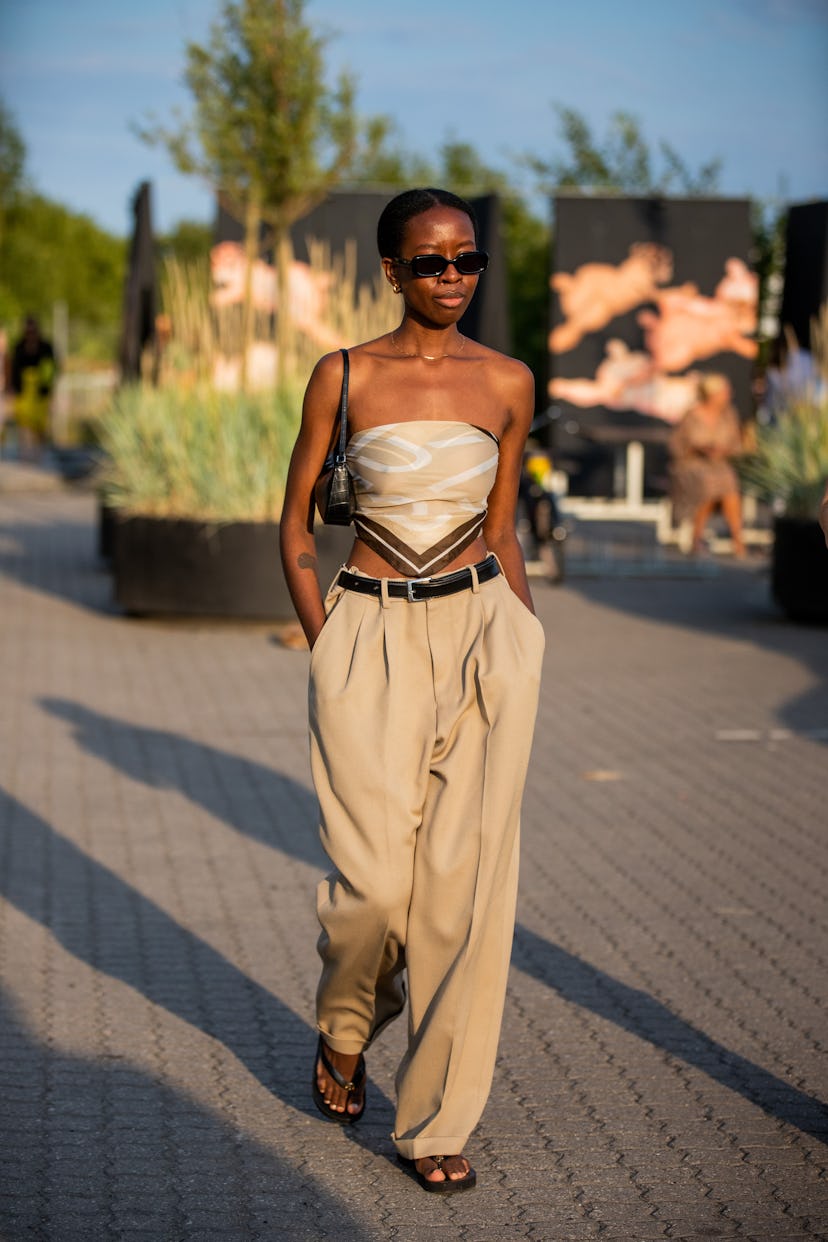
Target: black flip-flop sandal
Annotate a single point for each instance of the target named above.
(331, 1114)
(451, 1185)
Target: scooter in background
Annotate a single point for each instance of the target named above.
(541, 530)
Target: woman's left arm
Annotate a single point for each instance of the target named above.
(499, 529)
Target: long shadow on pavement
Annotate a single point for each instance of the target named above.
(109, 925)
(96, 1149)
(251, 798)
(573, 978)
(633, 1010)
(735, 605)
(56, 556)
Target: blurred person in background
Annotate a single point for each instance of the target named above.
(31, 383)
(538, 513)
(702, 448)
(4, 381)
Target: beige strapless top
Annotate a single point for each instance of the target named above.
(421, 490)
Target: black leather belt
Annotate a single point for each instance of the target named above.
(414, 589)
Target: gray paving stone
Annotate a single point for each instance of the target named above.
(662, 1065)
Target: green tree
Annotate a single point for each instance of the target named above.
(188, 242)
(266, 131)
(12, 162)
(621, 163)
(51, 254)
(391, 166)
(768, 225)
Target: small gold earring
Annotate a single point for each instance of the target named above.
(396, 288)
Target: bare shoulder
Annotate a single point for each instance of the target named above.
(326, 380)
(511, 380)
(329, 367)
(510, 372)
(518, 379)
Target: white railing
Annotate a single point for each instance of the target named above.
(630, 505)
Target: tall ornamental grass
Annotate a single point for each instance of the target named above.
(187, 448)
(356, 312)
(198, 334)
(789, 466)
(201, 454)
(203, 335)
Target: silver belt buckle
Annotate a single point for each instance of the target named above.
(409, 590)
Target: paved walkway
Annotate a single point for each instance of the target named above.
(663, 1061)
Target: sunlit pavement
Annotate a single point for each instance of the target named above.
(663, 1068)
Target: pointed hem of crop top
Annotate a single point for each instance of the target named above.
(421, 489)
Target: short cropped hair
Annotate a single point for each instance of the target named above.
(396, 215)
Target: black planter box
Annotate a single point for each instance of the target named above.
(107, 520)
(799, 572)
(170, 566)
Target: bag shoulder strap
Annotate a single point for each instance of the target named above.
(343, 407)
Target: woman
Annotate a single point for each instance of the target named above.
(424, 675)
(32, 378)
(702, 446)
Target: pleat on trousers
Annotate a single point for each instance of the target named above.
(421, 717)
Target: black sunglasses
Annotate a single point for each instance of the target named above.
(470, 263)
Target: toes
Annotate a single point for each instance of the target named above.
(329, 1091)
(335, 1097)
(430, 1169)
(443, 1168)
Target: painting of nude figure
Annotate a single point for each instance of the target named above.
(596, 293)
(645, 296)
(629, 380)
(687, 327)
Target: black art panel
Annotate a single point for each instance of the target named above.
(806, 268)
(351, 215)
(646, 294)
(140, 289)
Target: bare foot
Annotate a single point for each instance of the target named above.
(336, 1097)
(442, 1168)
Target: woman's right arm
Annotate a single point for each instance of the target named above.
(297, 543)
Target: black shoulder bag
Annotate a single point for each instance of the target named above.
(334, 490)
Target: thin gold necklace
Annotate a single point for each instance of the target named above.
(427, 357)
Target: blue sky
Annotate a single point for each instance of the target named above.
(744, 80)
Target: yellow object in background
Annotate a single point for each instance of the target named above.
(538, 466)
(32, 404)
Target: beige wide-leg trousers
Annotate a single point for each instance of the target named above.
(421, 719)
